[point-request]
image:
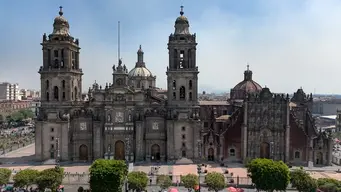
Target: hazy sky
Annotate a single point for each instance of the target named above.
(288, 43)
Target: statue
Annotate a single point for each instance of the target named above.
(44, 37)
(114, 68)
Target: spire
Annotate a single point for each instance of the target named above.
(140, 62)
(248, 73)
(61, 11)
(181, 10)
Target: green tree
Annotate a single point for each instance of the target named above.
(215, 181)
(137, 180)
(107, 175)
(50, 178)
(302, 180)
(190, 181)
(164, 181)
(269, 175)
(328, 184)
(25, 178)
(5, 175)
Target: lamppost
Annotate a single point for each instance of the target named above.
(272, 150)
(199, 148)
(199, 172)
(127, 148)
(58, 153)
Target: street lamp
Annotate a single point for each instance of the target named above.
(272, 149)
(199, 148)
(58, 153)
(199, 172)
(127, 161)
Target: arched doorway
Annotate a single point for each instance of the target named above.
(155, 155)
(265, 150)
(83, 153)
(119, 150)
(319, 158)
(210, 154)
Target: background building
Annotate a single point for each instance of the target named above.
(9, 92)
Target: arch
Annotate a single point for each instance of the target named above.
(232, 152)
(174, 84)
(183, 153)
(76, 93)
(83, 153)
(47, 96)
(47, 84)
(155, 154)
(182, 93)
(190, 84)
(265, 150)
(119, 150)
(190, 96)
(210, 154)
(297, 155)
(56, 93)
(63, 84)
(319, 158)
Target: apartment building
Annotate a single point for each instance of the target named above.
(9, 91)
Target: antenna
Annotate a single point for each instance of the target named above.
(119, 43)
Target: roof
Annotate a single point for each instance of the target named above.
(140, 72)
(214, 103)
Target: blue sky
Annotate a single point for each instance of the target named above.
(288, 43)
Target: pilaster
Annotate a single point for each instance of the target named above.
(244, 131)
(287, 135)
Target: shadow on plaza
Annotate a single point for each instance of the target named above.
(17, 161)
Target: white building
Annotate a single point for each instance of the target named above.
(9, 92)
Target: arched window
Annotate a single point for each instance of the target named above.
(63, 95)
(190, 84)
(56, 93)
(190, 96)
(47, 84)
(182, 93)
(56, 63)
(232, 152)
(174, 84)
(47, 96)
(63, 84)
(174, 96)
(297, 155)
(76, 93)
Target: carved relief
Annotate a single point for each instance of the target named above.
(119, 117)
(155, 125)
(82, 126)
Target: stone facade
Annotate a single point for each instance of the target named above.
(130, 119)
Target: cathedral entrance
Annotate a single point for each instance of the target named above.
(210, 154)
(83, 153)
(319, 158)
(155, 156)
(119, 150)
(265, 150)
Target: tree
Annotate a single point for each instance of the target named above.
(50, 178)
(269, 175)
(164, 181)
(302, 180)
(215, 181)
(328, 184)
(25, 178)
(137, 180)
(107, 175)
(190, 181)
(5, 175)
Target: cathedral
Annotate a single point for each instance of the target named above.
(131, 119)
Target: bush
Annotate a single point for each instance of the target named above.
(302, 181)
(190, 181)
(107, 175)
(215, 181)
(137, 180)
(269, 175)
(25, 178)
(5, 175)
(164, 181)
(50, 178)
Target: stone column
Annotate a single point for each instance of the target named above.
(287, 135)
(244, 131)
(221, 150)
(139, 141)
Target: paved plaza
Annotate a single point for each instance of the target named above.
(78, 173)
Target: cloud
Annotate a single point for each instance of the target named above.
(288, 44)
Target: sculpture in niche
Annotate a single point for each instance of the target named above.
(82, 126)
(119, 117)
(155, 126)
(129, 117)
(109, 118)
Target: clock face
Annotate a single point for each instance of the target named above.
(155, 125)
(119, 117)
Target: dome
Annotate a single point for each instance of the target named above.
(181, 20)
(246, 86)
(140, 72)
(61, 25)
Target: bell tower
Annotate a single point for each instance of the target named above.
(60, 75)
(182, 72)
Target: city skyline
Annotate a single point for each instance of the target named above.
(288, 44)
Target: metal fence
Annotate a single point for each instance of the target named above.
(83, 178)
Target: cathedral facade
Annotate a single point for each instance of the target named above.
(130, 119)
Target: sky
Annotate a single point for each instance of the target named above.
(287, 43)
